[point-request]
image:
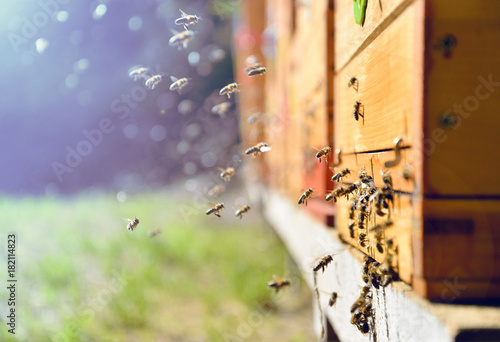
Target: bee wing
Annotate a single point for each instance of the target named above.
(126, 220)
(174, 79)
(183, 14)
(265, 149)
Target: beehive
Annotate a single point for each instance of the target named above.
(427, 73)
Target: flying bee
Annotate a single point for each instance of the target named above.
(324, 152)
(303, 198)
(138, 73)
(153, 233)
(132, 224)
(181, 39)
(256, 149)
(229, 89)
(226, 174)
(335, 194)
(252, 63)
(278, 283)
(339, 175)
(153, 81)
(221, 109)
(186, 19)
(350, 189)
(215, 210)
(257, 71)
(242, 210)
(356, 112)
(333, 298)
(323, 263)
(216, 190)
(178, 83)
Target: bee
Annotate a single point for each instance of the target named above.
(365, 291)
(138, 73)
(257, 71)
(386, 178)
(256, 149)
(352, 209)
(339, 175)
(132, 224)
(334, 194)
(181, 39)
(351, 229)
(356, 112)
(406, 173)
(278, 283)
(215, 210)
(252, 63)
(242, 210)
(216, 190)
(333, 298)
(229, 89)
(153, 233)
(178, 84)
(186, 19)
(350, 189)
(353, 81)
(364, 240)
(303, 198)
(153, 81)
(226, 174)
(323, 263)
(324, 152)
(221, 109)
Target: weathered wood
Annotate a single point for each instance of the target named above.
(384, 88)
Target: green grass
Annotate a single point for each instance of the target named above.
(83, 277)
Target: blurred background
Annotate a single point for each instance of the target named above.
(85, 146)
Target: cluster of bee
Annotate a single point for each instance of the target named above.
(362, 312)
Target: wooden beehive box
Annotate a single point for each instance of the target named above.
(424, 74)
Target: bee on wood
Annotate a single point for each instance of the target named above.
(221, 109)
(181, 39)
(356, 112)
(229, 89)
(186, 19)
(257, 71)
(334, 194)
(139, 73)
(278, 283)
(303, 198)
(352, 82)
(260, 147)
(226, 174)
(351, 229)
(153, 81)
(153, 233)
(215, 210)
(339, 175)
(178, 84)
(324, 152)
(132, 224)
(323, 263)
(242, 210)
(406, 173)
(386, 178)
(364, 240)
